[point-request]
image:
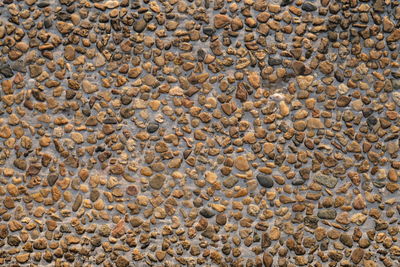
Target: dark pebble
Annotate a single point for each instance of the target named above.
(396, 84)
(94, 195)
(372, 121)
(265, 180)
(339, 76)
(208, 30)
(110, 121)
(286, 2)
(52, 178)
(311, 221)
(308, 6)
(201, 55)
(274, 61)
(152, 127)
(43, 4)
(6, 71)
(367, 112)
(298, 181)
(207, 213)
(48, 22)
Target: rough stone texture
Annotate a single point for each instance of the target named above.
(199, 133)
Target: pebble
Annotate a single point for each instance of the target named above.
(207, 213)
(265, 180)
(241, 163)
(326, 180)
(327, 214)
(157, 181)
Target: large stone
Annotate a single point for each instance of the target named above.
(89, 87)
(304, 81)
(35, 70)
(69, 52)
(221, 21)
(314, 123)
(396, 98)
(328, 181)
(394, 36)
(327, 214)
(241, 163)
(157, 181)
(326, 67)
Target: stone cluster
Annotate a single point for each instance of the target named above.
(199, 133)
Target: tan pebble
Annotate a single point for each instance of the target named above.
(241, 163)
(304, 81)
(221, 21)
(22, 258)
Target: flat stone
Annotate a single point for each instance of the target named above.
(308, 6)
(77, 202)
(327, 214)
(6, 71)
(35, 70)
(328, 181)
(221, 21)
(315, 123)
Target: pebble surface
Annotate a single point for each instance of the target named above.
(199, 133)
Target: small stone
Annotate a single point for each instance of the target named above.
(22, 258)
(254, 80)
(52, 179)
(77, 202)
(64, 27)
(343, 101)
(230, 182)
(394, 36)
(122, 262)
(236, 24)
(359, 202)
(221, 219)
